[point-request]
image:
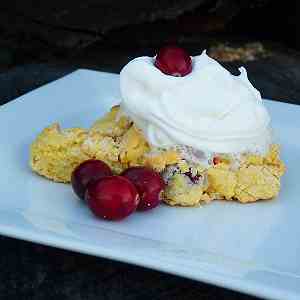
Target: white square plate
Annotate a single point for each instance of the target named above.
(252, 248)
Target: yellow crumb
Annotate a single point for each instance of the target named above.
(256, 183)
(183, 166)
(55, 152)
(257, 178)
(118, 142)
(180, 192)
(159, 159)
(254, 159)
(133, 146)
(113, 124)
(222, 181)
(272, 159)
(104, 148)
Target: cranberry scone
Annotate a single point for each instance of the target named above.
(208, 133)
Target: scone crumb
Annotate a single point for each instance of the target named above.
(256, 183)
(221, 180)
(117, 141)
(113, 124)
(159, 159)
(133, 146)
(55, 152)
(180, 192)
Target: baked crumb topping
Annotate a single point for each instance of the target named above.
(191, 177)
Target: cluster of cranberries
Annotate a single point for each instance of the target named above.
(116, 197)
(137, 188)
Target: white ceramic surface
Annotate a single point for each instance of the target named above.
(252, 248)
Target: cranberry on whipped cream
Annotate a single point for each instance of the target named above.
(209, 109)
(174, 61)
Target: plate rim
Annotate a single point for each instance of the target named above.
(210, 277)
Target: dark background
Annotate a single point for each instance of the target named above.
(43, 40)
(43, 31)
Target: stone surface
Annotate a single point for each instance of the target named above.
(22, 79)
(30, 271)
(64, 24)
(276, 76)
(59, 28)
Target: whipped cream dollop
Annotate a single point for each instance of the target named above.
(209, 109)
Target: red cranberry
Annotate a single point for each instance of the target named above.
(89, 170)
(216, 160)
(173, 61)
(112, 197)
(149, 184)
(194, 178)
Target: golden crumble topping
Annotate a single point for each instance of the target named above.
(180, 191)
(118, 142)
(257, 178)
(113, 139)
(55, 152)
(222, 181)
(158, 159)
(113, 124)
(133, 147)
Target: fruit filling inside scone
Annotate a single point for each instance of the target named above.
(206, 131)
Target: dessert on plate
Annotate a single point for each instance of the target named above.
(206, 131)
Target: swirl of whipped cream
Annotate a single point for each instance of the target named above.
(209, 109)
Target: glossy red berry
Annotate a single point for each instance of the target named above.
(174, 61)
(149, 184)
(216, 160)
(89, 170)
(112, 197)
